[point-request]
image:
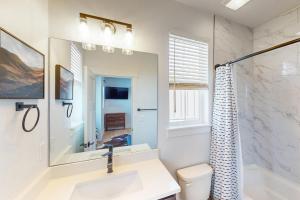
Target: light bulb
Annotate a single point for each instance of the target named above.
(84, 29)
(128, 41)
(129, 35)
(107, 31)
(108, 39)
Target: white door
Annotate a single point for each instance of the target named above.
(90, 110)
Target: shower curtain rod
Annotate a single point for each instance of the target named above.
(260, 52)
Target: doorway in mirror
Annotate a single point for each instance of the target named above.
(113, 111)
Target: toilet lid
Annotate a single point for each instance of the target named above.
(192, 173)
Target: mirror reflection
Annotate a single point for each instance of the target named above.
(99, 99)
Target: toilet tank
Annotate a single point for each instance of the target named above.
(195, 182)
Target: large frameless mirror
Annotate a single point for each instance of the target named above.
(98, 99)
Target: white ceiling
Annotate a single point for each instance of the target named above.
(254, 13)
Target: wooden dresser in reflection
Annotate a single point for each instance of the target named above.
(114, 121)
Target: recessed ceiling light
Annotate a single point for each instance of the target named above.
(236, 4)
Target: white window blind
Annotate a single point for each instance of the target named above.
(76, 62)
(77, 70)
(188, 63)
(188, 80)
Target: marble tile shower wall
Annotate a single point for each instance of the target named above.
(276, 92)
(268, 91)
(233, 41)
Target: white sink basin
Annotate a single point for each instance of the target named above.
(110, 187)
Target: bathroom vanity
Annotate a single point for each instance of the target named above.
(134, 181)
(141, 176)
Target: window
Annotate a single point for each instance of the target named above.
(76, 62)
(77, 70)
(188, 81)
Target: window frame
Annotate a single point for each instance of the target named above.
(193, 123)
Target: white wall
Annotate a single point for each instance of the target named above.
(23, 155)
(152, 20)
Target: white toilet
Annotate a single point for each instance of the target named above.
(195, 182)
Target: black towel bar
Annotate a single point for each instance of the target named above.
(146, 109)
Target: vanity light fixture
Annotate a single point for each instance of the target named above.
(235, 4)
(109, 31)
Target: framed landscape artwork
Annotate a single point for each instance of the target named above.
(64, 82)
(22, 73)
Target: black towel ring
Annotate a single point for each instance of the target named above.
(70, 105)
(21, 106)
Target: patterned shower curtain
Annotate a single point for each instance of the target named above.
(224, 158)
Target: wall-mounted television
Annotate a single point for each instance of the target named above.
(64, 82)
(116, 93)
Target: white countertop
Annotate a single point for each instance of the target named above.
(156, 181)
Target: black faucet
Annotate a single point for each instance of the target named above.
(109, 155)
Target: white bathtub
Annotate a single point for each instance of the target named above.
(262, 184)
